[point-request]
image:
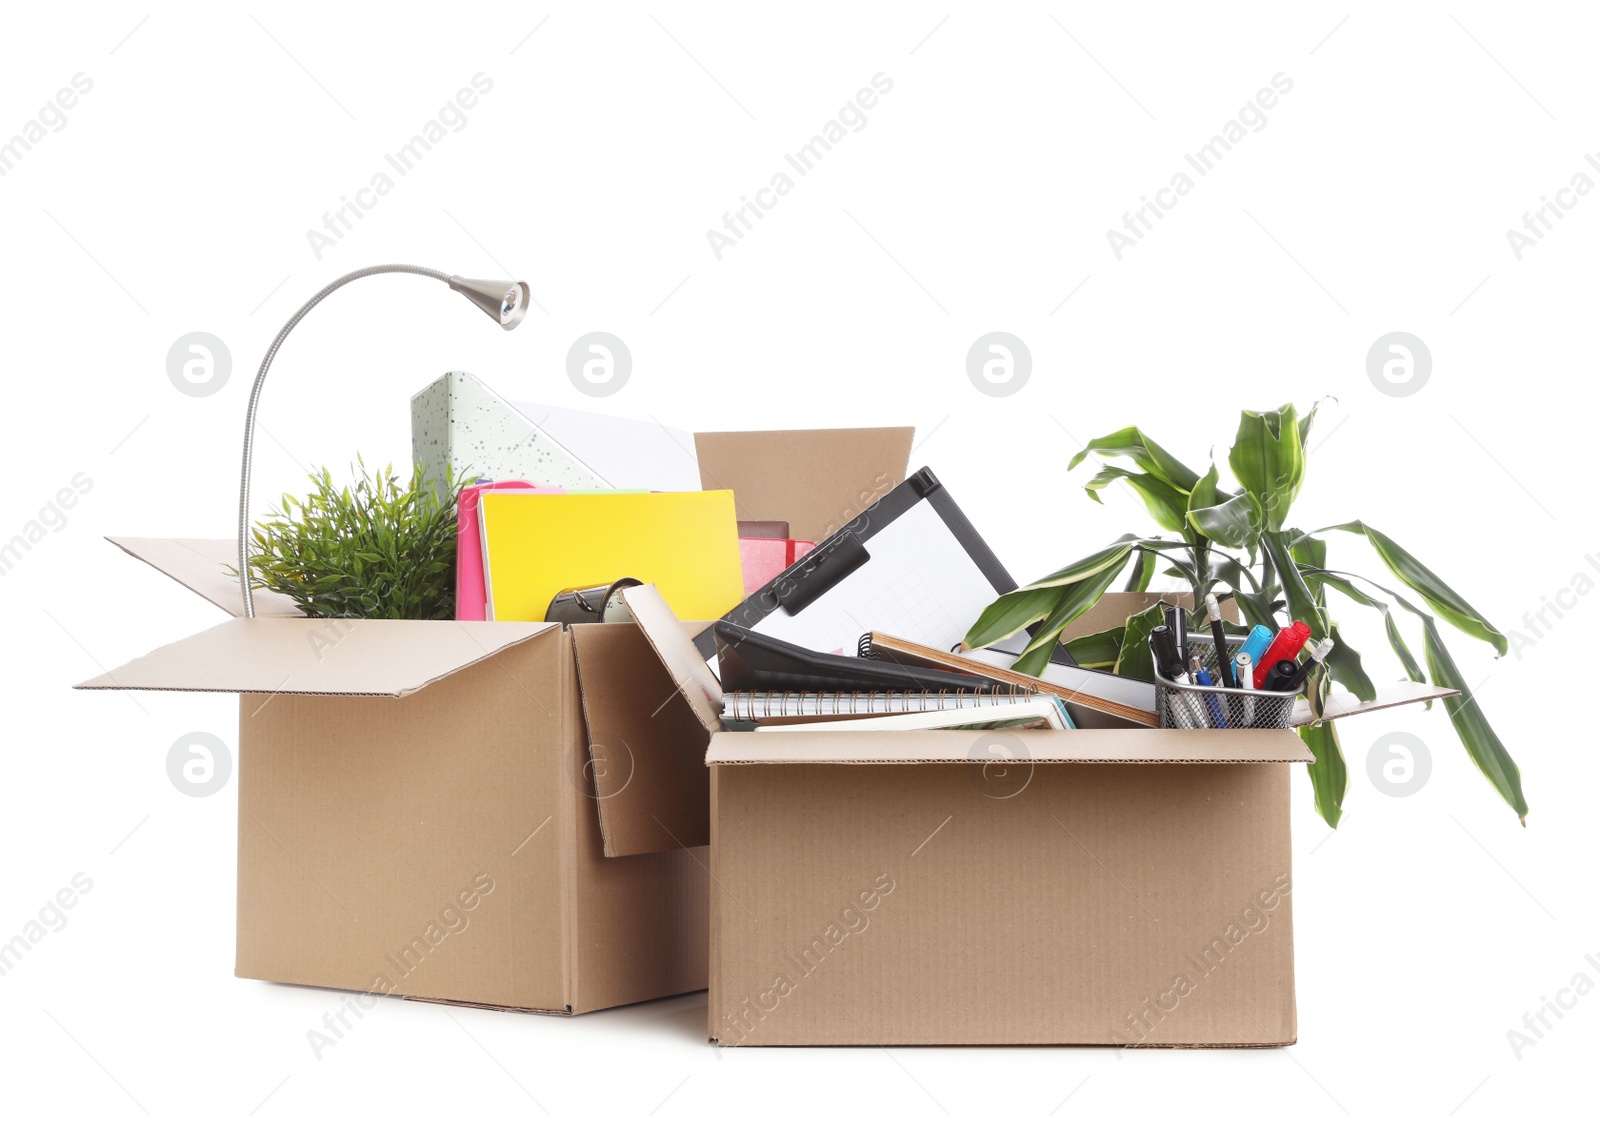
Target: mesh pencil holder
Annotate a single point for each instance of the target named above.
(1185, 707)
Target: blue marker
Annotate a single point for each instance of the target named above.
(1203, 677)
(1259, 640)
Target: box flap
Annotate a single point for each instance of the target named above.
(646, 749)
(1341, 704)
(299, 656)
(202, 565)
(674, 646)
(815, 479)
(1133, 746)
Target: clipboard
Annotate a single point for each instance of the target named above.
(911, 565)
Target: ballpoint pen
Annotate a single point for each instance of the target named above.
(1286, 647)
(1220, 638)
(1243, 668)
(1203, 678)
(1303, 671)
(1172, 668)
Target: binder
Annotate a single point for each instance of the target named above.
(911, 565)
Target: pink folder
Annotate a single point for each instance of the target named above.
(472, 597)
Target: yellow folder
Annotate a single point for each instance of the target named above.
(685, 542)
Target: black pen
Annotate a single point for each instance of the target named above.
(1303, 671)
(1220, 638)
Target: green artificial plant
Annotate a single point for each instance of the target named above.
(1239, 542)
(378, 549)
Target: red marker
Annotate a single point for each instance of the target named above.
(1286, 647)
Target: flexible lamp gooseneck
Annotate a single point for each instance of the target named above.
(506, 303)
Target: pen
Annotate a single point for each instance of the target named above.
(1219, 637)
(1172, 669)
(1242, 666)
(1203, 678)
(1303, 671)
(1281, 678)
(1259, 640)
(1286, 647)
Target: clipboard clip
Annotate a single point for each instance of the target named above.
(831, 565)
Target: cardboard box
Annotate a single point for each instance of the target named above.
(1090, 887)
(501, 814)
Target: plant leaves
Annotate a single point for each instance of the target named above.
(1097, 650)
(1236, 522)
(1144, 568)
(1165, 502)
(1397, 643)
(1302, 606)
(1269, 461)
(1472, 727)
(1073, 600)
(1430, 587)
(1329, 778)
(1148, 455)
(1009, 614)
(1114, 554)
(1133, 658)
(1344, 665)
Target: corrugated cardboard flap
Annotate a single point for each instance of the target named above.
(815, 479)
(1130, 746)
(201, 566)
(278, 655)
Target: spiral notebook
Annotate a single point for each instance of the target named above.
(749, 706)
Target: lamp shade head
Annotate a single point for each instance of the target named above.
(505, 302)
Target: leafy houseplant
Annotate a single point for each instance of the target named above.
(377, 549)
(1239, 541)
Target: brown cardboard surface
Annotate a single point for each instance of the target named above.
(367, 826)
(1128, 746)
(201, 565)
(675, 650)
(872, 904)
(816, 480)
(646, 769)
(412, 845)
(282, 655)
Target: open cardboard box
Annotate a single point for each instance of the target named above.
(501, 814)
(1109, 886)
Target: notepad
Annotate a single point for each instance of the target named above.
(685, 542)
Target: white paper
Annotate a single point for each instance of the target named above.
(625, 453)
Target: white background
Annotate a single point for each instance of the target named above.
(177, 198)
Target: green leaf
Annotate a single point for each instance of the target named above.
(1236, 522)
(1305, 421)
(1302, 605)
(1150, 457)
(1098, 650)
(1165, 502)
(1114, 554)
(1472, 726)
(1430, 587)
(1344, 664)
(1073, 600)
(1144, 568)
(1010, 614)
(1397, 643)
(1329, 778)
(1256, 608)
(1269, 461)
(1133, 659)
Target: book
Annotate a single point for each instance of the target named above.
(752, 661)
(746, 706)
(1043, 713)
(1131, 700)
(686, 542)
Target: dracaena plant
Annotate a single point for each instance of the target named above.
(1239, 541)
(381, 548)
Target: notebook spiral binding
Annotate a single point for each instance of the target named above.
(751, 705)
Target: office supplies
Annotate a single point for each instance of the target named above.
(747, 706)
(1242, 669)
(1171, 665)
(1044, 713)
(1256, 644)
(685, 542)
(1203, 678)
(1282, 677)
(1286, 647)
(505, 302)
(595, 605)
(1082, 689)
(1298, 674)
(472, 600)
(910, 565)
(1220, 639)
(752, 661)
